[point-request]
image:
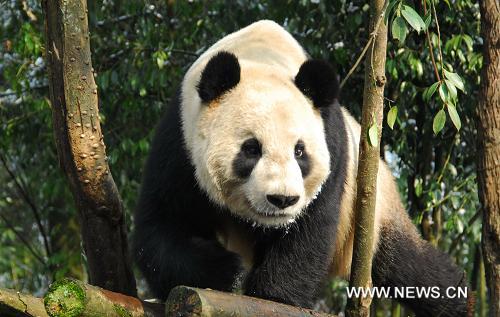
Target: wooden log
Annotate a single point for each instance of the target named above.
(15, 304)
(70, 297)
(186, 301)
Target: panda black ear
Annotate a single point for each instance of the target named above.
(221, 74)
(317, 80)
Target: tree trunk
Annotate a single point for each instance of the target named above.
(488, 130)
(369, 154)
(80, 145)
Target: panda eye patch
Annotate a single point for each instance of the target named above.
(251, 148)
(299, 149)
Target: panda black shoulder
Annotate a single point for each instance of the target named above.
(337, 140)
(168, 169)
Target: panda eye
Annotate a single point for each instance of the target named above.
(299, 149)
(251, 148)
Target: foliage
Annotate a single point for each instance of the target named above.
(141, 50)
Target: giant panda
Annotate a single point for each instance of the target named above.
(251, 181)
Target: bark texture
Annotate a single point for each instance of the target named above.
(15, 304)
(488, 131)
(194, 302)
(70, 297)
(80, 145)
(369, 154)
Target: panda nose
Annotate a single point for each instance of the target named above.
(282, 201)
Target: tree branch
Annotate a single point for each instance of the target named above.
(194, 302)
(471, 221)
(23, 240)
(431, 50)
(6, 94)
(433, 6)
(15, 304)
(70, 297)
(371, 38)
(36, 213)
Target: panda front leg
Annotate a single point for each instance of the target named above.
(291, 266)
(170, 255)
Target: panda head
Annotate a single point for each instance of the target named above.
(256, 136)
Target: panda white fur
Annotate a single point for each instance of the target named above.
(252, 179)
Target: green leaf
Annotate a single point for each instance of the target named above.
(114, 77)
(451, 89)
(455, 201)
(427, 20)
(373, 134)
(160, 61)
(452, 169)
(413, 18)
(399, 29)
(455, 79)
(387, 13)
(468, 41)
(417, 184)
(392, 116)
(460, 225)
(439, 121)
(160, 57)
(430, 91)
(142, 92)
(455, 118)
(443, 93)
(419, 67)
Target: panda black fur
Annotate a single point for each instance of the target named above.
(251, 182)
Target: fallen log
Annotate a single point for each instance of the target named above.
(73, 298)
(15, 304)
(194, 302)
(69, 297)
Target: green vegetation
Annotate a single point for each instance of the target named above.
(65, 298)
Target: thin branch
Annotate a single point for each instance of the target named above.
(439, 36)
(441, 174)
(7, 94)
(23, 240)
(471, 221)
(431, 49)
(174, 50)
(31, 204)
(370, 40)
(358, 61)
(23, 117)
(448, 196)
(118, 19)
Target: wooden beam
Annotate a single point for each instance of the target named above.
(194, 302)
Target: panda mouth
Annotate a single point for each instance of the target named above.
(279, 216)
(272, 214)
